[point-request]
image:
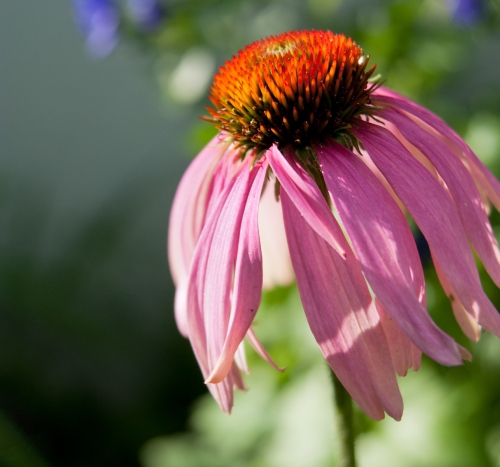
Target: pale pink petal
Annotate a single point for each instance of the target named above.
(223, 174)
(189, 207)
(404, 353)
(196, 283)
(413, 150)
(276, 261)
(385, 249)
(306, 196)
(186, 219)
(247, 279)
(180, 305)
(218, 275)
(240, 358)
(481, 173)
(260, 349)
(342, 316)
(367, 160)
(470, 328)
(417, 357)
(462, 188)
(237, 379)
(436, 215)
(210, 281)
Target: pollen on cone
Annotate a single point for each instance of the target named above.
(290, 89)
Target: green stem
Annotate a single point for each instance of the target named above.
(345, 417)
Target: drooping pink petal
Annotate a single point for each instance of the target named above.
(305, 195)
(385, 249)
(240, 358)
(470, 328)
(477, 167)
(180, 305)
(260, 349)
(342, 316)
(462, 188)
(223, 174)
(211, 279)
(237, 379)
(186, 219)
(276, 261)
(367, 160)
(404, 353)
(189, 207)
(437, 218)
(247, 289)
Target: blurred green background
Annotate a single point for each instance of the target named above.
(93, 141)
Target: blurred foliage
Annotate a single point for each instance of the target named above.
(91, 365)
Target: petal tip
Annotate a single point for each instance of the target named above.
(465, 354)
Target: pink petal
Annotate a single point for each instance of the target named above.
(404, 353)
(470, 328)
(481, 173)
(210, 281)
(260, 349)
(240, 359)
(436, 215)
(223, 175)
(186, 219)
(247, 280)
(180, 305)
(305, 195)
(276, 261)
(237, 379)
(342, 316)
(462, 188)
(385, 249)
(189, 206)
(373, 168)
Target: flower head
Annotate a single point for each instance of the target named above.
(304, 133)
(293, 89)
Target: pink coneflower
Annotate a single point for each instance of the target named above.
(316, 167)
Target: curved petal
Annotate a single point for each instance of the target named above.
(469, 327)
(189, 207)
(342, 316)
(276, 261)
(305, 195)
(180, 305)
(437, 218)
(367, 160)
(481, 173)
(240, 358)
(260, 349)
(186, 220)
(210, 281)
(404, 353)
(461, 186)
(247, 289)
(385, 249)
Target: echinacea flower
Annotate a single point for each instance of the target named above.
(315, 168)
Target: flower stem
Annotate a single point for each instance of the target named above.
(345, 420)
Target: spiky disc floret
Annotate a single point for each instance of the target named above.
(292, 89)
